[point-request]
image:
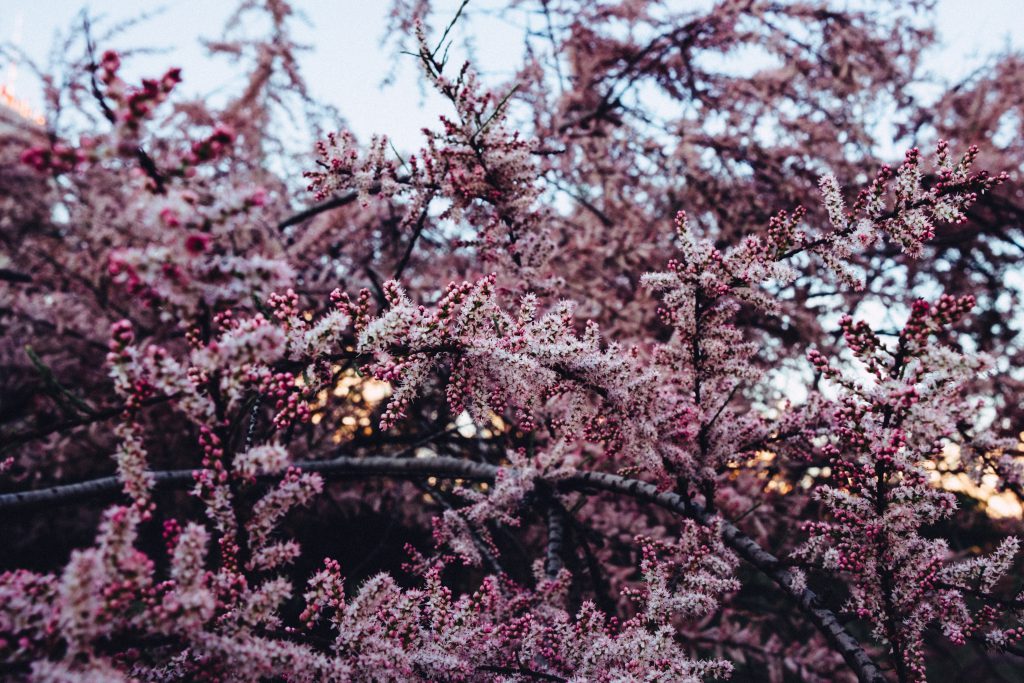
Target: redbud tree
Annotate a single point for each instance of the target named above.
(650, 363)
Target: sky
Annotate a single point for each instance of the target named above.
(345, 67)
(347, 63)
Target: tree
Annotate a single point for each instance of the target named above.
(483, 412)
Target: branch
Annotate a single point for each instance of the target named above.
(417, 231)
(598, 580)
(744, 546)
(556, 532)
(8, 275)
(522, 671)
(9, 441)
(332, 203)
(454, 468)
(326, 205)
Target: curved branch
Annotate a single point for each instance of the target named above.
(332, 203)
(316, 209)
(454, 468)
(747, 548)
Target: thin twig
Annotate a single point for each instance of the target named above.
(98, 416)
(145, 161)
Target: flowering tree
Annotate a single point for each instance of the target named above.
(641, 368)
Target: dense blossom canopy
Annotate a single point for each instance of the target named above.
(643, 367)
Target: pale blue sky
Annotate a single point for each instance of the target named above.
(347, 63)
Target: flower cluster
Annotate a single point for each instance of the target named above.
(880, 498)
(535, 366)
(482, 167)
(899, 205)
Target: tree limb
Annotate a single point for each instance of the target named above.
(326, 205)
(442, 466)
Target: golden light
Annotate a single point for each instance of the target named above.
(1004, 506)
(997, 504)
(375, 391)
(944, 474)
(353, 414)
(779, 486)
(19, 107)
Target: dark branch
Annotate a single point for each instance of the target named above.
(416, 468)
(8, 275)
(145, 161)
(316, 209)
(556, 532)
(332, 203)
